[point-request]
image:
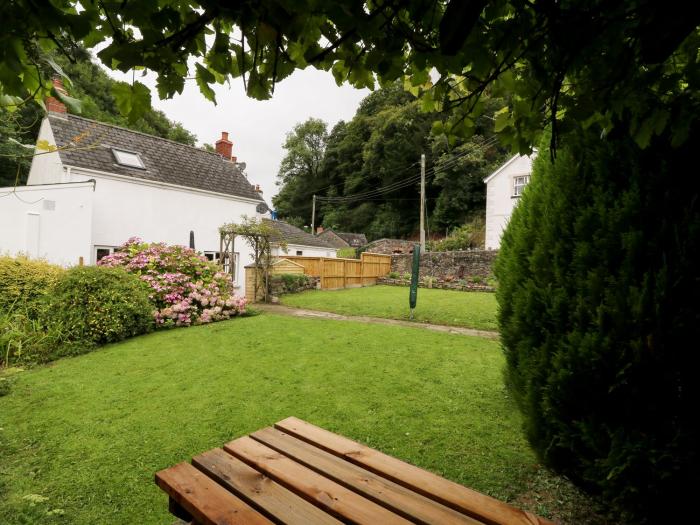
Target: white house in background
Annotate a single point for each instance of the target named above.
(503, 189)
(298, 241)
(105, 184)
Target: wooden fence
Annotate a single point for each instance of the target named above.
(345, 273)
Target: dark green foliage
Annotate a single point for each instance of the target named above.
(466, 237)
(598, 291)
(100, 305)
(381, 146)
(292, 282)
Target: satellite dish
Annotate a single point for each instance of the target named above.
(262, 208)
(242, 165)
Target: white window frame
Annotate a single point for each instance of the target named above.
(216, 257)
(213, 256)
(97, 247)
(122, 161)
(519, 183)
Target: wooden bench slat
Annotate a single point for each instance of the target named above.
(259, 491)
(458, 497)
(319, 490)
(206, 501)
(397, 498)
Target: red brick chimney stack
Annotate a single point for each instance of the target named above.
(319, 230)
(224, 147)
(53, 105)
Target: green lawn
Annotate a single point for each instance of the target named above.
(81, 439)
(450, 307)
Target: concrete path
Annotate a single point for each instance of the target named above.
(315, 314)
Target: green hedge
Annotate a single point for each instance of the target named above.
(598, 314)
(292, 282)
(23, 281)
(100, 305)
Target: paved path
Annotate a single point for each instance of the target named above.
(315, 314)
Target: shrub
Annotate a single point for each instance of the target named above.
(393, 275)
(598, 290)
(23, 338)
(292, 282)
(185, 288)
(99, 305)
(348, 253)
(467, 237)
(24, 281)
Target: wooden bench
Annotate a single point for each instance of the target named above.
(298, 473)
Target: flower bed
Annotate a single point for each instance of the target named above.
(185, 287)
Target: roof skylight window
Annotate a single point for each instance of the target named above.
(128, 158)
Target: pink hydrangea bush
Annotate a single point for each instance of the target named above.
(186, 288)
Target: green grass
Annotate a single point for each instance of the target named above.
(80, 440)
(450, 307)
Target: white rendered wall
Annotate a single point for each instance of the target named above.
(128, 208)
(46, 166)
(500, 201)
(307, 251)
(52, 222)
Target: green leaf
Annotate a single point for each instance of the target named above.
(74, 104)
(205, 77)
(132, 100)
(502, 119)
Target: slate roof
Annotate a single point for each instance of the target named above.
(165, 160)
(293, 235)
(353, 239)
(343, 240)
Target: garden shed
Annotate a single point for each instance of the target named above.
(278, 267)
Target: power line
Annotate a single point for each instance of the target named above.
(407, 182)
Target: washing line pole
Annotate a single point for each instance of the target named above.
(422, 202)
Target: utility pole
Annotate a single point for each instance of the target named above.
(422, 202)
(313, 216)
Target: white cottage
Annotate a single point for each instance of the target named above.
(103, 184)
(503, 189)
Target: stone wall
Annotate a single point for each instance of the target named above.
(448, 266)
(462, 286)
(390, 246)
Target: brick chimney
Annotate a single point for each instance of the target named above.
(53, 105)
(319, 230)
(258, 189)
(224, 147)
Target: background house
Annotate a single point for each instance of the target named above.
(503, 189)
(102, 184)
(298, 241)
(342, 239)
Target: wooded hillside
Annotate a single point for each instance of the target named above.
(366, 172)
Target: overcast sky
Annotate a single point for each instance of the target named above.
(258, 128)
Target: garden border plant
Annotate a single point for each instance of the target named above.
(185, 287)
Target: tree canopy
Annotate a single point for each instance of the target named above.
(380, 148)
(569, 64)
(92, 89)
